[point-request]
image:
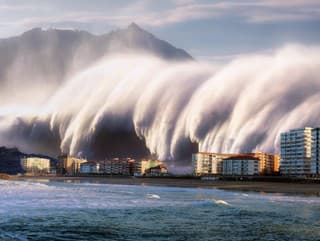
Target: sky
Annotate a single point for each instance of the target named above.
(210, 30)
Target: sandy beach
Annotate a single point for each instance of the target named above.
(308, 189)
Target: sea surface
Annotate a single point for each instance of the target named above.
(85, 211)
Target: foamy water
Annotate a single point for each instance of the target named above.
(70, 211)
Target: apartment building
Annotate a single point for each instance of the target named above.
(296, 151)
(117, 166)
(90, 167)
(35, 165)
(69, 165)
(315, 152)
(205, 163)
(241, 165)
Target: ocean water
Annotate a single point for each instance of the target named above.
(84, 211)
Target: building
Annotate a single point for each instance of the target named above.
(90, 168)
(35, 165)
(160, 170)
(68, 165)
(144, 166)
(205, 163)
(241, 165)
(269, 163)
(117, 166)
(315, 152)
(296, 151)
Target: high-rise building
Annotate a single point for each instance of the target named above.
(315, 152)
(296, 151)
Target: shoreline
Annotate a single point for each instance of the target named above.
(306, 189)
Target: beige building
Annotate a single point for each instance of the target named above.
(205, 163)
(269, 163)
(146, 164)
(69, 165)
(35, 165)
(150, 167)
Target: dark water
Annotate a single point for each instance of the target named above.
(66, 211)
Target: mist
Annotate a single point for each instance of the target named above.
(139, 105)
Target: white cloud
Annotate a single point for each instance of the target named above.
(146, 13)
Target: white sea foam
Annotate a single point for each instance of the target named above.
(153, 196)
(221, 202)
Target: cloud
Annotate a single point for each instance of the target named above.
(148, 13)
(252, 12)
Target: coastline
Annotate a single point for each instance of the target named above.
(306, 189)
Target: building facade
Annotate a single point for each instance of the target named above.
(269, 163)
(241, 166)
(118, 166)
(296, 151)
(160, 170)
(89, 168)
(35, 165)
(205, 163)
(315, 152)
(150, 167)
(68, 165)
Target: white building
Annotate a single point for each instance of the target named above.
(205, 163)
(241, 165)
(296, 151)
(89, 168)
(35, 165)
(315, 152)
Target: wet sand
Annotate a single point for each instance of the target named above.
(308, 189)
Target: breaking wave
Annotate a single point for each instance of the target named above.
(135, 105)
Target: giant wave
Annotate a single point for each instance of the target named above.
(138, 104)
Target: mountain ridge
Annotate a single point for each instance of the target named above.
(46, 58)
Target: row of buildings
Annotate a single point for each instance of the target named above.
(72, 166)
(299, 156)
(235, 164)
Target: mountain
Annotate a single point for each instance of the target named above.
(47, 57)
(10, 160)
(135, 38)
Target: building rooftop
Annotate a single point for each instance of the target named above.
(242, 157)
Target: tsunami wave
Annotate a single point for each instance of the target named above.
(138, 105)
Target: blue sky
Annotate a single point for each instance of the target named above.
(208, 30)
